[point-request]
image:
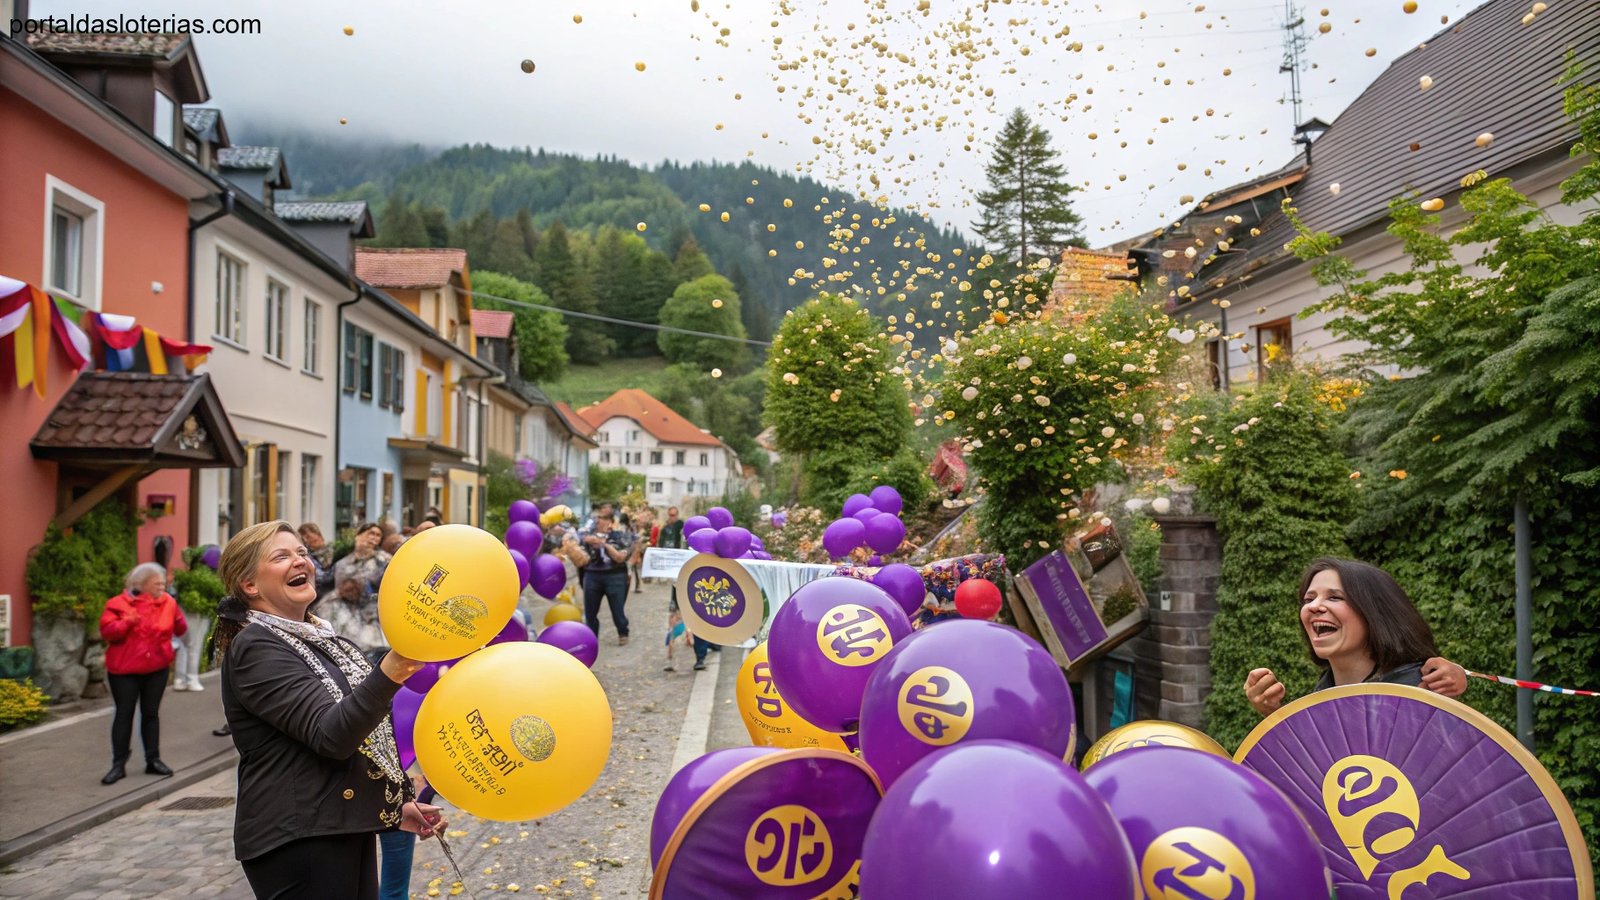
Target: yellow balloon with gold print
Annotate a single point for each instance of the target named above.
(515, 731)
(555, 514)
(447, 592)
(1151, 733)
(562, 612)
(768, 717)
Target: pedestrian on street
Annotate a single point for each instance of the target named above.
(138, 626)
(321, 554)
(605, 575)
(319, 772)
(366, 560)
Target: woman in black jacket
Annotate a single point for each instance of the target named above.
(319, 774)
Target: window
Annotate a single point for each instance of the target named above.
(705, 459)
(605, 456)
(386, 499)
(277, 320)
(230, 299)
(1214, 355)
(690, 488)
(397, 379)
(516, 435)
(308, 487)
(165, 119)
(280, 509)
(311, 328)
(655, 457)
(656, 487)
(364, 375)
(605, 437)
(633, 437)
(74, 228)
(1273, 345)
(677, 457)
(385, 374)
(264, 491)
(353, 485)
(357, 361)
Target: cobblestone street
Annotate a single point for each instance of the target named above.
(597, 847)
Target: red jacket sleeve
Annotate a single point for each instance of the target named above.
(180, 625)
(117, 619)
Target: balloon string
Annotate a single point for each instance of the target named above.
(1534, 685)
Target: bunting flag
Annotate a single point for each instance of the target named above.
(118, 343)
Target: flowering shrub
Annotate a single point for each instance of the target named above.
(21, 703)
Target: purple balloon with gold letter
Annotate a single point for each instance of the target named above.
(759, 822)
(996, 819)
(1201, 825)
(963, 681)
(824, 642)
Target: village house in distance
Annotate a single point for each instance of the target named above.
(682, 464)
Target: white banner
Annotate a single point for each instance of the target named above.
(663, 562)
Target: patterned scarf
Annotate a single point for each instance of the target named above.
(378, 747)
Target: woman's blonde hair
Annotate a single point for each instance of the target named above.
(244, 553)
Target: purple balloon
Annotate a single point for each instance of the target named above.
(514, 631)
(403, 712)
(525, 538)
(732, 542)
(548, 577)
(990, 682)
(874, 561)
(780, 518)
(689, 784)
(854, 504)
(756, 543)
(524, 568)
(865, 515)
(824, 643)
(1006, 820)
(211, 556)
(719, 517)
(887, 499)
(695, 523)
(843, 535)
(426, 677)
(760, 554)
(573, 637)
(885, 532)
(904, 583)
(1154, 790)
(523, 511)
(704, 540)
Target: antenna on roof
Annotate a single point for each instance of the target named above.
(1294, 45)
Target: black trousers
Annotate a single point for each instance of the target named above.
(329, 867)
(613, 586)
(144, 691)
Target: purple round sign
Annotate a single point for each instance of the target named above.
(720, 601)
(781, 824)
(715, 596)
(1405, 788)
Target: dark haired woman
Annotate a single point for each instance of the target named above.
(1359, 626)
(319, 773)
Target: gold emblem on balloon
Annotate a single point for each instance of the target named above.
(1196, 864)
(533, 737)
(788, 845)
(1151, 733)
(853, 635)
(936, 706)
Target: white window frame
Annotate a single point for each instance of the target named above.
(657, 487)
(678, 457)
(311, 338)
(91, 244)
(230, 325)
(276, 339)
(308, 486)
(705, 459)
(165, 117)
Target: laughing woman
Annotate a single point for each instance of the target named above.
(1359, 626)
(319, 774)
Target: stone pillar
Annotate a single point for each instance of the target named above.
(1173, 655)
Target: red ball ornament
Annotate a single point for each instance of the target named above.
(977, 598)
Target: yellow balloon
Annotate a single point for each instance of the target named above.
(447, 591)
(515, 731)
(562, 612)
(1151, 733)
(553, 515)
(770, 721)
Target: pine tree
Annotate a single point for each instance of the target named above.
(399, 224)
(564, 279)
(1027, 209)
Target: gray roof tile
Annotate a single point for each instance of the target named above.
(351, 211)
(249, 157)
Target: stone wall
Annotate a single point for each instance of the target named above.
(1173, 655)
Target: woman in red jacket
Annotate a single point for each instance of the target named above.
(138, 626)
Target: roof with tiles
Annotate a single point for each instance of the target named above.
(666, 425)
(153, 46)
(201, 119)
(249, 157)
(348, 211)
(122, 416)
(491, 323)
(1088, 278)
(409, 267)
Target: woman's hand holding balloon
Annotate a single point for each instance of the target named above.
(398, 667)
(420, 818)
(1264, 691)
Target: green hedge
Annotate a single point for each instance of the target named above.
(74, 571)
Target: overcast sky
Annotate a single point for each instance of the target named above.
(445, 74)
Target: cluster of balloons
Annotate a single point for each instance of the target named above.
(867, 520)
(543, 572)
(715, 532)
(966, 728)
(503, 727)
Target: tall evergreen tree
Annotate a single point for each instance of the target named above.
(1026, 212)
(399, 224)
(562, 276)
(691, 262)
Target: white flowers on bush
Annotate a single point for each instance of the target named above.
(1138, 418)
(1023, 362)
(969, 393)
(1108, 431)
(1041, 399)
(1161, 505)
(1070, 359)
(1134, 504)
